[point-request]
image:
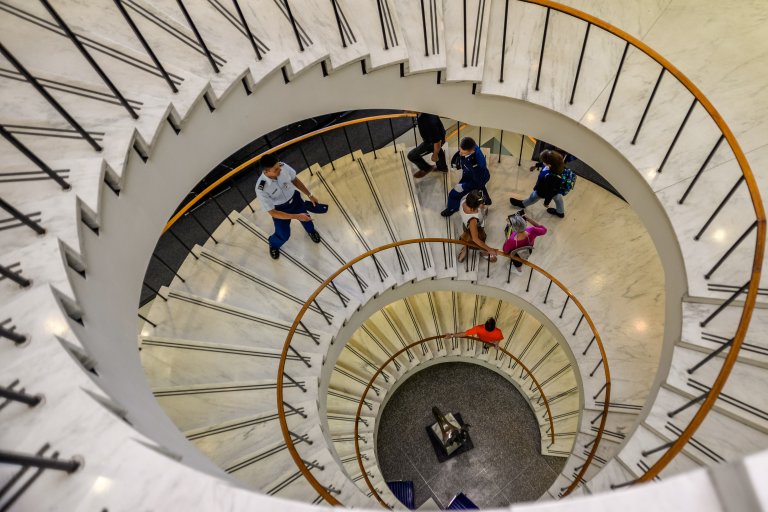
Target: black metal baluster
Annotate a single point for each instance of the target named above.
(166, 265)
(247, 29)
(465, 32)
(648, 105)
(174, 235)
(719, 207)
(20, 396)
(94, 65)
(392, 130)
(218, 205)
(13, 276)
(381, 20)
(725, 304)
(338, 23)
(567, 298)
(589, 345)
(327, 152)
(578, 67)
(293, 23)
(11, 333)
(577, 325)
(146, 46)
(192, 215)
(245, 199)
(520, 157)
(29, 154)
(154, 290)
(592, 373)
(547, 294)
(710, 356)
(50, 99)
(370, 136)
(528, 286)
(504, 41)
(730, 250)
(153, 324)
(198, 36)
(34, 226)
(687, 405)
(701, 169)
(615, 81)
(677, 135)
(349, 144)
(424, 27)
(21, 459)
(304, 157)
(501, 144)
(543, 43)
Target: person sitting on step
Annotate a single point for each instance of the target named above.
(473, 213)
(278, 191)
(547, 185)
(520, 236)
(474, 175)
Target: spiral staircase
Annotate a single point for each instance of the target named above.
(102, 141)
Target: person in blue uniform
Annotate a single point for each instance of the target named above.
(432, 133)
(474, 175)
(279, 191)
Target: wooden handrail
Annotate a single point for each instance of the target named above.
(322, 491)
(392, 358)
(757, 261)
(192, 202)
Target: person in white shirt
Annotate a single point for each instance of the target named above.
(278, 189)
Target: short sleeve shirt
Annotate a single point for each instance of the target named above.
(430, 128)
(272, 193)
(480, 332)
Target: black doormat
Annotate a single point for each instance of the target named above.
(438, 446)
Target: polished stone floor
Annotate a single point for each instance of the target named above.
(505, 466)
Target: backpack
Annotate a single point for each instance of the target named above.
(567, 182)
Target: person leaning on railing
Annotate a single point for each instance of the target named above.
(487, 333)
(473, 213)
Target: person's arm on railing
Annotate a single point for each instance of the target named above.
(304, 190)
(476, 238)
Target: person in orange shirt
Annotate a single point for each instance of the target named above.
(487, 333)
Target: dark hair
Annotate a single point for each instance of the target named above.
(554, 160)
(268, 161)
(474, 199)
(467, 143)
(490, 324)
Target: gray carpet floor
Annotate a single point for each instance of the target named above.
(505, 466)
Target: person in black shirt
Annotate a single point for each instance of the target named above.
(433, 137)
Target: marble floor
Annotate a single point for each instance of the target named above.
(505, 465)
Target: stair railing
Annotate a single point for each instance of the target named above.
(305, 471)
(542, 397)
(751, 287)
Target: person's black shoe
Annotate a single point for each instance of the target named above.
(516, 202)
(315, 237)
(554, 212)
(274, 252)
(448, 212)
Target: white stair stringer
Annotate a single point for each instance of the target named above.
(115, 152)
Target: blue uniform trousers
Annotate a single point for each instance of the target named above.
(283, 226)
(454, 197)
